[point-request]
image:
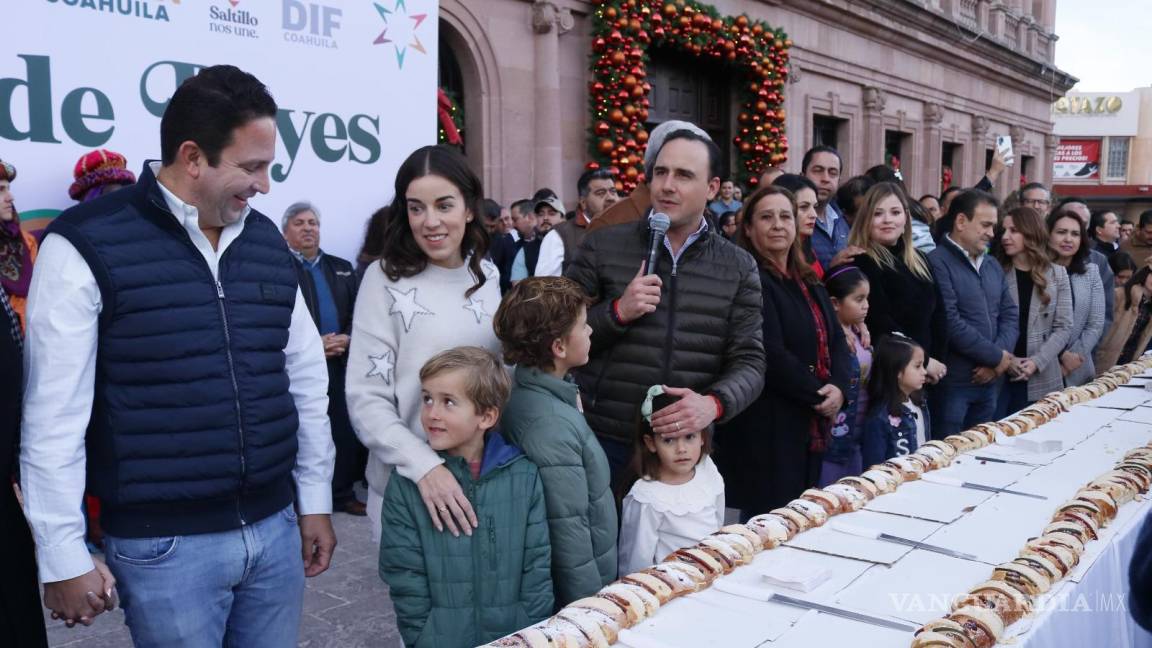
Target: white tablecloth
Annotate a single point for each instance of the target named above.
(1091, 612)
(1096, 610)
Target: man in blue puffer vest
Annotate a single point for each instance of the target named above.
(172, 361)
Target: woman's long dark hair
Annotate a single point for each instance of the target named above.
(893, 353)
(1030, 224)
(400, 255)
(1137, 279)
(1079, 262)
(373, 246)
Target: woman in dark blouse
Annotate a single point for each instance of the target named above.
(773, 450)
(903, 296)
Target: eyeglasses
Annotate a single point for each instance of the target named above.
(1036, 202)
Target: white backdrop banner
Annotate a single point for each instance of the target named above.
(355, 81)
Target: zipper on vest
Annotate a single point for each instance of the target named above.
(235, 393)
(492, 545)
(163, 207)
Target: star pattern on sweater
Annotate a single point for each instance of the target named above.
(383, 365)
(477, 307)
(404, 304)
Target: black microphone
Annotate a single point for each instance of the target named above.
(658, 224)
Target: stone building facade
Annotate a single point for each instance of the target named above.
(931, 82)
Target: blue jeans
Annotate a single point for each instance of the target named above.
(1013, 398)
(962, 406)
(243, 587)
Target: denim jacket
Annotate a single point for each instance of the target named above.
(886, 436)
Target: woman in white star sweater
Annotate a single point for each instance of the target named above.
(431, 291)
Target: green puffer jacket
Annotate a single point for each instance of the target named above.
(467, 591)
(541, 417)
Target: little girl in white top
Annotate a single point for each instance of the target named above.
(679, 496)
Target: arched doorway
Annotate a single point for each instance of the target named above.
(467, 70)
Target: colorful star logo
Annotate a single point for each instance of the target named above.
(393, 20)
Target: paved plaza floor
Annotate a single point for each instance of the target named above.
(345, 607)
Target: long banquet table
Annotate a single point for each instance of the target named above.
(913, 585)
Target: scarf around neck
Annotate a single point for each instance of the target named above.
(15, 259)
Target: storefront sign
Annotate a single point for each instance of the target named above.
(1105, 114)
(1076, 160)
(1088, 105)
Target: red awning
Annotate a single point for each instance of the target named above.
(1104, 191)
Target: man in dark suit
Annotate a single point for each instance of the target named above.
(1104, 230)
(503, 244)
(329, 285)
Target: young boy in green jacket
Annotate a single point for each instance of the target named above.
(465, 590)
(543, 326)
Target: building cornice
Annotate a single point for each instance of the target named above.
(894, 21)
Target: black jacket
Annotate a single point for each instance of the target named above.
(502, 252)
(1107, 249)
(899, 301)
(705, 334)
(763, 454)
(342, 281)
(21, 622)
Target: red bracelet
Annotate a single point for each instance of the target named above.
(719, 406)
(615, 312)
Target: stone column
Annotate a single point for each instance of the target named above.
(933, 149)
(874, 100)
(1035, 34)
(548, 23)
(1018, 146)
(979, 148)
(1051, 141)
(982, 14)
(1022, 34)
(1048, 47)
(996, 19)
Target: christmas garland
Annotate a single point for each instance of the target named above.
(450, 120)
(622, 32)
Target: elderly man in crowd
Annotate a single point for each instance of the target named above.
(329, 286)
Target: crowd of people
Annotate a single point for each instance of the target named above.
(537, 400)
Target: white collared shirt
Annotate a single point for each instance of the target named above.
(550, 263)
(64, 305)
(827, 219)
(689, 241)
(918, 414)
(976, 261)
